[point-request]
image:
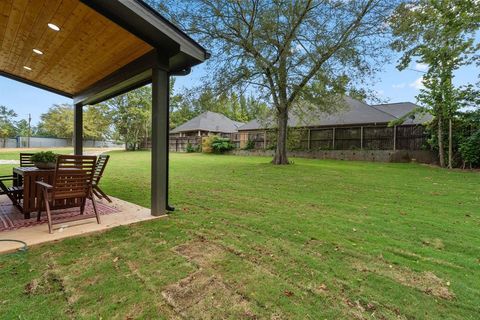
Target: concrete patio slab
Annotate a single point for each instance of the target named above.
(128, 213)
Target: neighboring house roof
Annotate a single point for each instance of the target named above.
(209, 121)
(401, 109)
(352, 112)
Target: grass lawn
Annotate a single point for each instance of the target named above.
(314, 240)
(13, 153)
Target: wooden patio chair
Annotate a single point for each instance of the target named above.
(97, 175)
(26, 160)
(72, 186)
(14, 193)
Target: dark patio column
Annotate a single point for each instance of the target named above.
(160, 112)
(78, 129)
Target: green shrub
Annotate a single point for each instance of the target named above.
(221, 145)
(191, 148)
(44, 157)
(470, 150)
(250, 145)
(207, 144)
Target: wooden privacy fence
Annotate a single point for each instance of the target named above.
(179, 144)
(407, 137)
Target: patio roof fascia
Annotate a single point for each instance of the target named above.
(129, 77)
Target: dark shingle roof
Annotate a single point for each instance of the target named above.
(400, 109)
(209, 121)
(352, 112)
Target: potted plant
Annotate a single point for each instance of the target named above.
(44, 160)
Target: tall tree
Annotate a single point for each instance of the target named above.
(232, 104)
(131, 114)
(57, 121)
(97, 122)
(441, 34)
(282, 48)
(180, 108)
(180, 111)
(23, 129)
(7, 124)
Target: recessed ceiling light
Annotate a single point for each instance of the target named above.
(37, 51)
(53, 27)
(27, 68)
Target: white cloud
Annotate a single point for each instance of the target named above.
(421, 66)
(417, 84)
(399, 86)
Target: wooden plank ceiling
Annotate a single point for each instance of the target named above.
(87, 47)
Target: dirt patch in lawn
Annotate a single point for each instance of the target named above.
(426, 281)
(201, 252)
(47, 283)
(204, 294)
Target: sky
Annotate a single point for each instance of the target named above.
(390, 85)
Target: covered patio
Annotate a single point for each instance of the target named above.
(91, 51)
(14, 226)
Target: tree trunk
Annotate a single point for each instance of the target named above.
(146, 135)
(281, 150)
(125, 137)
(441, 152)
(450, 143)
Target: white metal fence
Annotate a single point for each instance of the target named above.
(42, 142)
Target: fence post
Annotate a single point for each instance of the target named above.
(394, 138)
(309, 139)
(265, 140)
(361, 138)
(333, 139)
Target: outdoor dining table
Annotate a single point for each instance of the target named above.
(31, 195)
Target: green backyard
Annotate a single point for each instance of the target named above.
(314, 240)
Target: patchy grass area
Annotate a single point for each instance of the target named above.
(314, 240)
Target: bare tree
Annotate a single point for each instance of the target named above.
(289, 50)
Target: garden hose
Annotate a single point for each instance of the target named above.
(22, 249)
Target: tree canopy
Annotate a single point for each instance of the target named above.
(234, 105)
(131, 113)
(7, 125)
(97, 122)
(57, 121)
(440, 34)
(288, 50)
